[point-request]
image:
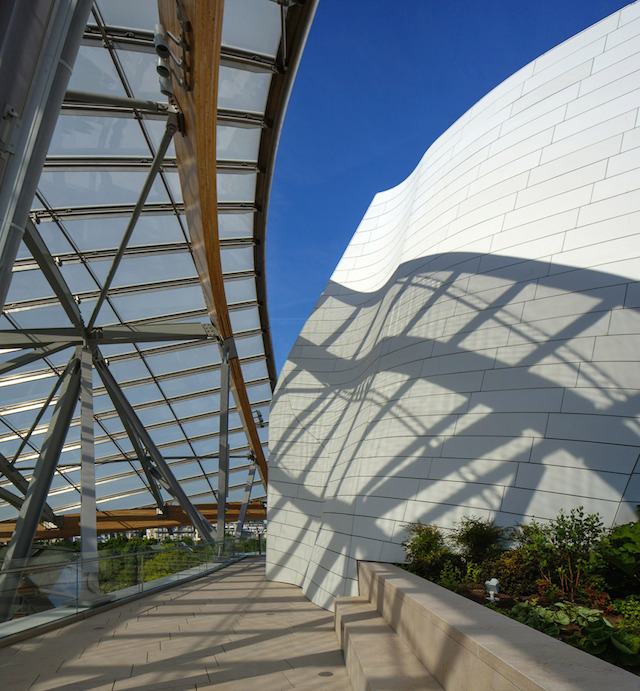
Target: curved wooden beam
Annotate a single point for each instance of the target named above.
(196, 157)
(122, 520)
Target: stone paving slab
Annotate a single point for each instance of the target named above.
(229, 630)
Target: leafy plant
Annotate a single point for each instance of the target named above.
(517, 575)
(479, 538)
(538, 617)
(599, 637)
(629, 608)
(622, 552)
(563, 548)
(426, 550)
(450, 577)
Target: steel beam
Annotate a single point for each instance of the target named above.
(111, 101)
(39, 46)
(142, 457)
(64, 337)
(173, 486)
(36, 496)
(88, 507)
(142, 41)
(123, 210)
(170, 130)
(245, 499)
(26, 358)
(65, 164)
(15, 477)
(105, 211)
(228, 351)
(11, 498)
(52, 273)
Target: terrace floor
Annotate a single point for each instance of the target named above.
(232, 630)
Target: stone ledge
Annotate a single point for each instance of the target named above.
(467, 646)
(375, 656)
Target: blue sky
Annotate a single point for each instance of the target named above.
(378, 83)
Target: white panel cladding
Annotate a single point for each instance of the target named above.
(476, 351)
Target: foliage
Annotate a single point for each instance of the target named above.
(599, 637)
(426, 550)
(167, 562)
(538, 617)
(517, 575)
(621, 552)
(629, 608)
(565, 548)
(450, 577)
(479, 538)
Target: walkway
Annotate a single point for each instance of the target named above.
(230, 630)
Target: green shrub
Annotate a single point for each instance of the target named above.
(621, 553)
(427, 552)
(517, 575)
(479, 538)
(565, 549)
(629, 608)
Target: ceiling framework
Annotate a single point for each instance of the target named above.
(143, 256)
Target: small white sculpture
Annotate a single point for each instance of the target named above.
(492, 588)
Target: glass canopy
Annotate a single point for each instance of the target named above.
(101, 154)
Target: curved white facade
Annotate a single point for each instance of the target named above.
(476, 351)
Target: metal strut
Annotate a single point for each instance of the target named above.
(35, 499)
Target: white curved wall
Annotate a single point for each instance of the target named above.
(476, 351)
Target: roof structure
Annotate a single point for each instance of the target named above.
(137, 299)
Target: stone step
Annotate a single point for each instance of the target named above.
(376, 657)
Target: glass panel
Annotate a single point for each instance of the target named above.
(243, 91)
(157, 303)
(187, 384)
(239, 187)
(252, 25)
(28, 285)
(105, 316)
(129, 370)
(239, 290)
(54, 239)
(77, 135)
(79, 279)
(183, 360)
(173, 180)
(195, 406)
(140, 71)
(155, 415)
(94, 71)
(96, 188)
(141, 14)
(262, 392)
(145, 270)
(41, 317)
(254, 370)
(235, 225)
(237, 259)
(202, 427)
(237, 143)
(247, 347)
(245, 320)
(142, 394)
(103, 233)
(166, 434)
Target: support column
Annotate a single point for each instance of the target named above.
(35, 499)
(88, 526)
(228, 350)
(245, 498)
(39, 43)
